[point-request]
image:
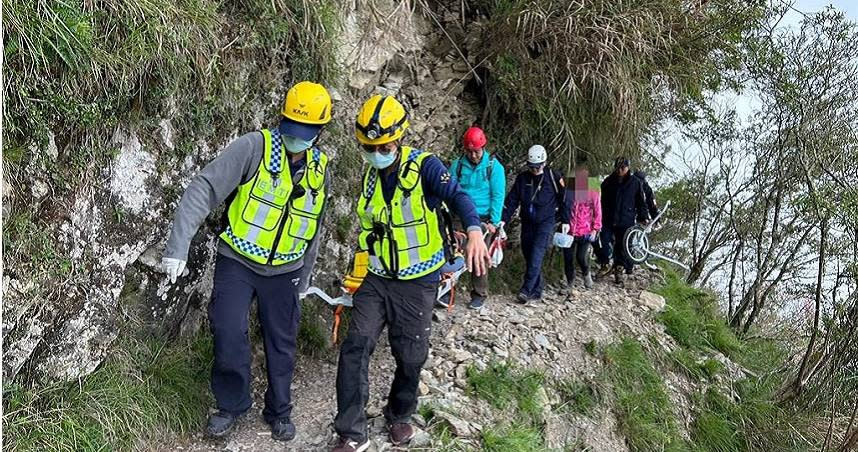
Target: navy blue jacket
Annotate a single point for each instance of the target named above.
(541, 198)
(623, 201)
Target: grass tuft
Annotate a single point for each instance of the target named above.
(506, 387)
(644, 410)
(134, 397)
(513, 439)
(578, 397)
(691, 317)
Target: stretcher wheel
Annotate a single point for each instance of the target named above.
(636, 244)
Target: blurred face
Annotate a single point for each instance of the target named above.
(582, 185)
(536, 169)
(474, 155)
(623, 171)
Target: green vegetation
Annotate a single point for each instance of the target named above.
(506, 387)
(145, 390)
(691, 316)
(78, 70)
(699, 370)
(313, 335)
(578, 397)
(513, 438)
(602, 109)
(644, 410)
(752, 420)
(516, 393)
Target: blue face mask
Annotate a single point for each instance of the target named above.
(295, 144)
(379, 160)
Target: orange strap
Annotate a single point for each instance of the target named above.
(337, 317)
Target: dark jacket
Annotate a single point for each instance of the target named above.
(648, 194)
(622, 201)
(541, 198)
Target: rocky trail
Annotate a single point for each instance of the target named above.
(552, 336)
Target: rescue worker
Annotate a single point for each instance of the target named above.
(622, 203)
(275, 182)
(402, 190)
(540, 192)
(482, 177)
(585, 220)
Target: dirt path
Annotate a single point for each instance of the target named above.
(551, 336)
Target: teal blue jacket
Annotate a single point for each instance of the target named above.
(488, 195)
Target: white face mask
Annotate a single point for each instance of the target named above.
(295, 144)
(379, 160)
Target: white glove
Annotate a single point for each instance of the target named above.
(173, 268)
(564, 228)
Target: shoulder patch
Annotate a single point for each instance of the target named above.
(445, 178)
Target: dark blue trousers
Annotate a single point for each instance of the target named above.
(535, 238)
(279, 314)
(605, 248)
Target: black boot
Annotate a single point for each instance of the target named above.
(220, 424)
(283, 429)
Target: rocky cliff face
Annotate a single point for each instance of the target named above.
(101, 244)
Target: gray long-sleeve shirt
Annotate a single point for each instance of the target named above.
(208, 189)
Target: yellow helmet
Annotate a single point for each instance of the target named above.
(382, 119)
(308, 103)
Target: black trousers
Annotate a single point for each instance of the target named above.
(279, 314)
(577, 253)
(621, 258)
(406, 308)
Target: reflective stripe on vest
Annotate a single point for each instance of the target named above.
(262, 213)
(416, 248)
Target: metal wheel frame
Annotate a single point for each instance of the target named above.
(636, 244)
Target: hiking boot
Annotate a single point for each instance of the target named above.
(477, 302)
(401, 433)
(604, 271)
(618, 276)
(220, 424)
(283, 429)
(522, 298)
(588, 281)
(349, 445)
(444, 301)
(630, 271)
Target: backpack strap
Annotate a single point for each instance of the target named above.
(489, 169)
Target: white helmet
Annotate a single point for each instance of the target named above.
(536, 155)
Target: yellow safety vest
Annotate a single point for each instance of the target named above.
(272, 220)
(403, 238)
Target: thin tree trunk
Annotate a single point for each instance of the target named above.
(823, 243)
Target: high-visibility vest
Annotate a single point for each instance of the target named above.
(403, 238)
(272, 220)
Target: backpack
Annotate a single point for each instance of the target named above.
(488, 170)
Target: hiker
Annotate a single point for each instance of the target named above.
(585, 212)
(651, 206)
(402, 190)
(482, 177)
(622, 203)
(274, 183)
(540, 192)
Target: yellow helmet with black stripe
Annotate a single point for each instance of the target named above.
(381, 119)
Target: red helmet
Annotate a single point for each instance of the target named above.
(474, 138)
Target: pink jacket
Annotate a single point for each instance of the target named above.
(585, 215)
